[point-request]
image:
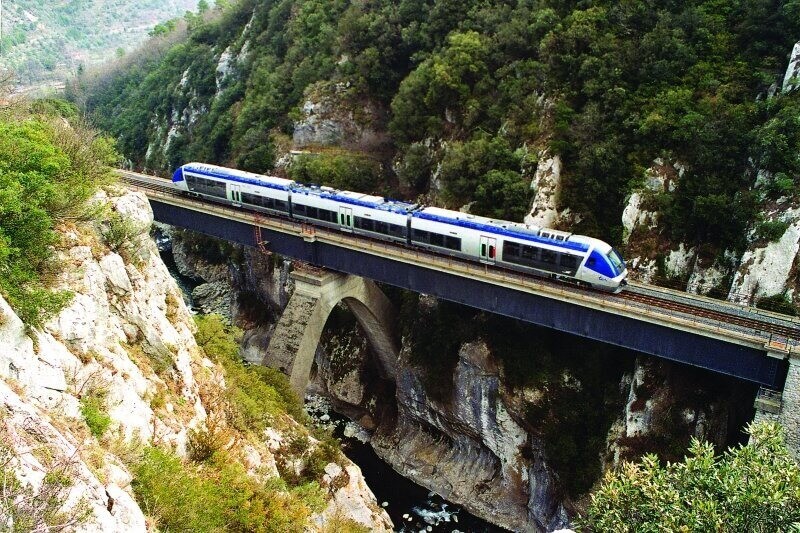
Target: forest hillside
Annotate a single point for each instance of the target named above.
(47, 41)
(461, 98)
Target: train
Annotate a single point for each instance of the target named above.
(519, 247)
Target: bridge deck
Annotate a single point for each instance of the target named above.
(703, 332)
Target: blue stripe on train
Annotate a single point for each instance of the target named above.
(488, 228)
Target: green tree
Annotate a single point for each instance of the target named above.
(752, 487)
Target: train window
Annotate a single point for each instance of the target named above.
(530, 252)
(483, 249)
(510, 249)
(397, 231)
(569, 261)
(437, 239)
(454, 243)
(299, 209)
(420, 235)
(491, 252)
(381, 227)
(280, 205)
(327, 216)
(312, 212)
(366, 224)
(549, 256)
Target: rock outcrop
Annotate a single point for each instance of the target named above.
(471, 450)
(126, 340)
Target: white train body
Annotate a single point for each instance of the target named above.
(514, 246)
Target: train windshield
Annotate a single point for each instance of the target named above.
(616, 261)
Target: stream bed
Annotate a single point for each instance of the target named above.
(412, 508)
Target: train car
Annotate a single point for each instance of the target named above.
(358, 213)
(268, 194)
(520, 247)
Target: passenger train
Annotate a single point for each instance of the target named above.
(530, 249)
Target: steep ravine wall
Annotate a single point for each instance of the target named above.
(476, 433)
(127, 316)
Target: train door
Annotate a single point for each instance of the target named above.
(488, 250)
(346, 218)
(236, 193)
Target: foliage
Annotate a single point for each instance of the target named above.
(217, 496)
(24, 509)
(771, 230)
(341, 170)
(119, 231)
(608, 86)
(95, 413)
(48, 172)
(752, 487)
(780, 303)
(257, 396)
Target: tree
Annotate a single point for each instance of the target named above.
(752, 487)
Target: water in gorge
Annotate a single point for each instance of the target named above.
(412, 508)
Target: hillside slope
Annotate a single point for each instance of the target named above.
(47, 41)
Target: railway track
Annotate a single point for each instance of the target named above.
(769, 326)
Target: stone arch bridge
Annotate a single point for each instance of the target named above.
(297, 334)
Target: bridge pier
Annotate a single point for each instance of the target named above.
(317, 291)
(783, 407)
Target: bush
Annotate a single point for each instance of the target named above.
(24, 509)
(48, 171)
(256, 396)
(349, 171)
(771, 230)
(779, 303)
(753, 487)
(95, 414)
(217, 496)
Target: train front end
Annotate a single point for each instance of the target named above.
(178, 181)
(603, 267)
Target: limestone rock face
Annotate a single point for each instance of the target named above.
(329, 118)
(766, 268)
(126, 337)
(668, 404)
(791, 79)
(546, 185)
(471, 451)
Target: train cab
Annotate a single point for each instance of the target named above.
(604, 266)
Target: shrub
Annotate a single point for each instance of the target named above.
(779, 303)
(23, 509)
(217, 496)
(752, 487)
(95, 413)
(119, 232)
(343, 170)
(256, 396)
(771, 230)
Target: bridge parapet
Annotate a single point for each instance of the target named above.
(317, 291)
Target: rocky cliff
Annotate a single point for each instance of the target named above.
(118, 369)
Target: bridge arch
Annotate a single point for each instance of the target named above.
(296, 336)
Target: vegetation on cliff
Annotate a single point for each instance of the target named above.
(49, 168)
(752, 487)
(609, 86)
